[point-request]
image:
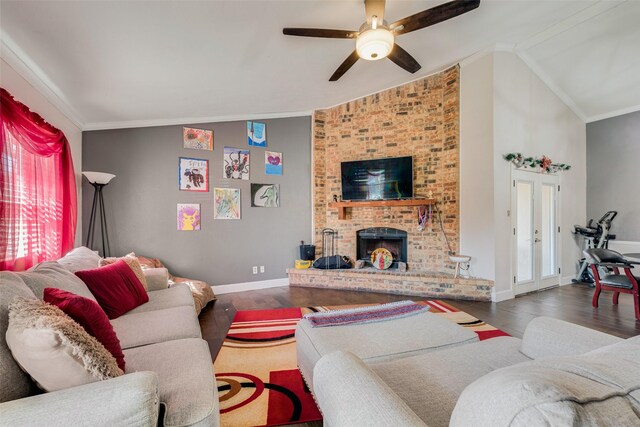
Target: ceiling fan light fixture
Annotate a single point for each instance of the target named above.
(374, 44)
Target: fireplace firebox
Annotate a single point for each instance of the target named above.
(392, 239)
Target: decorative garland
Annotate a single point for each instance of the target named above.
(544, 163)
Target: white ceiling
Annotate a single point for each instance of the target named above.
(120, 64)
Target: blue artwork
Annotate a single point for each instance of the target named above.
(256, 134)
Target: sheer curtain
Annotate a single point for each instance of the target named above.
(37, 188)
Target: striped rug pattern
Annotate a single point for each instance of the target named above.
(256, 370)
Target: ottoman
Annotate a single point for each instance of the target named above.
(379, 341)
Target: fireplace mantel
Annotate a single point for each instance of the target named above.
(342, 206)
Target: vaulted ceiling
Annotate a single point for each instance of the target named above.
(111, 64)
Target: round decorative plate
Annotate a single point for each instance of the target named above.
(381, 258)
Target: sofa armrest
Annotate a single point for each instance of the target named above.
(547, 337)
(350, 394)
(157, 278)
(129, 400)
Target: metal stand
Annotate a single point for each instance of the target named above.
(98, 201)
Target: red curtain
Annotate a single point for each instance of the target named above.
(37, 188)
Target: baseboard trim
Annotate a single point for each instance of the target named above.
(502, 295)
(249, 286)
(566, 280)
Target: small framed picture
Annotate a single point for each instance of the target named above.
(188, 216)
(256, 134)
(193, 174)
(272, 163)
(236, 163)
(197, 139)
(226, 203)
(265, 195)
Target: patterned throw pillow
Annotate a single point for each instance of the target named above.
(53, 349)
(88, 314)
(132, 262)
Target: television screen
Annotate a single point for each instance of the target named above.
(380, 179)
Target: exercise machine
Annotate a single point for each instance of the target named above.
(594, 236)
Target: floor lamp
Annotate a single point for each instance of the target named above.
(99, 180)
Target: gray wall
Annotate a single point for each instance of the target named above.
(613, 173)
(141, 200)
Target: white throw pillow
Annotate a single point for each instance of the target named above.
(53, 349)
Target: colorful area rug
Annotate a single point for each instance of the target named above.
(256, 370)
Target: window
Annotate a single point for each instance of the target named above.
(37, 188)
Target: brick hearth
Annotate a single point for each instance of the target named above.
(428, 284)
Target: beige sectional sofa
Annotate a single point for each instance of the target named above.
(169, 377)
(559, 374)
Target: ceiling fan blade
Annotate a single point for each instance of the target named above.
(320, 32)
(344, 67)
(403, 59)
(374, 8)
(432, 16)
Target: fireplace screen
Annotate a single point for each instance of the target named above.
(392, 239)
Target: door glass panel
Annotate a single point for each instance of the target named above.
(524, 230)
(548, 243)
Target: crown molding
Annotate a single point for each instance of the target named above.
(17, 59)
(616, 113)
(192, 120)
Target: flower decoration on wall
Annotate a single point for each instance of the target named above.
(543, 163)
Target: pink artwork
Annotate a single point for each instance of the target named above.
(188, 217)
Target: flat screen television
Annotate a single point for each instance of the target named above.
(379, 179)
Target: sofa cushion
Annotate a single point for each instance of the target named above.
(80, 258)
(132, 262)
(15, 384)
(601, 387)
(116, 288)
(136, 329)
(50, 274)
(55, 351)
(175, 296)
(185, 379)
(90, 316)
(431, 383)
(377, 342)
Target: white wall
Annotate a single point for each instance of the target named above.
(529, 118)
(476, 166)
(525, 116)
(28, 95)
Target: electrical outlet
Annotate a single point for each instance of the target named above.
(262, 269)
(255, 269)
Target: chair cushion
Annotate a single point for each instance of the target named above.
(50, 274)
(617, 281)
(136, 329)
(116, 288)
(90, 316)
(14, 383)
(431, 383)
(601, 387)
(185, 379)
(55, 351)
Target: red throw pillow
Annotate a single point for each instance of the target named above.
(90, 316)
(116, 288)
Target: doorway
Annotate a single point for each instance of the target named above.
(536, 231)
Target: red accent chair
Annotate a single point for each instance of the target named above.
(625, 283)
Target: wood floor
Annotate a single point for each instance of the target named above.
(571, 303)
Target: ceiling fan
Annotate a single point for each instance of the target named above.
(376, 40)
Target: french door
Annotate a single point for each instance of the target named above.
(536, 231)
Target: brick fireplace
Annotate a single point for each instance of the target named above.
(419, 119)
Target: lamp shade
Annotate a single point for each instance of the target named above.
(98, 177)
(374, 44)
